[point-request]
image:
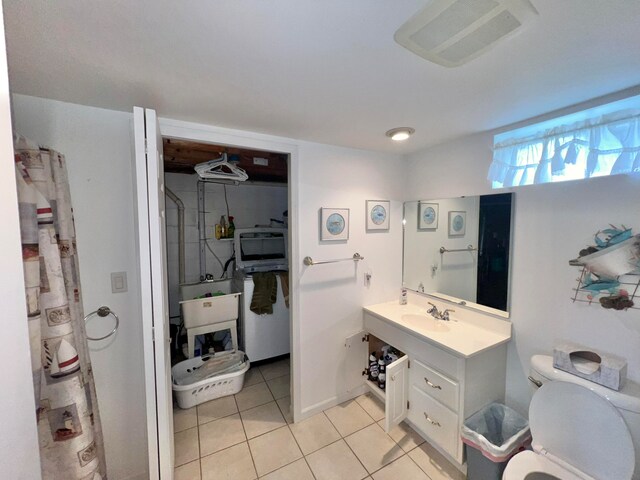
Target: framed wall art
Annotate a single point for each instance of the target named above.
(334, 224)
(428, 216)
(378, 215)
(457, 223)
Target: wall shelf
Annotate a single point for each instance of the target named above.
(629, 282)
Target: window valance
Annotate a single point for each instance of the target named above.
(596, 142)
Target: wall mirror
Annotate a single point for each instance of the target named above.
(459, 249)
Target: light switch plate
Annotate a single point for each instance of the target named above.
(118, 282)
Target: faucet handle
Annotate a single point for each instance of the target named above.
(433, 308)
(445, 314)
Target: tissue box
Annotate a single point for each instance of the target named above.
(601, 368)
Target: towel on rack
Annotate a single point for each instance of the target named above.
(265, 291)
(284, 283)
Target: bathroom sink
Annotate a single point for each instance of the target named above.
(425, 322)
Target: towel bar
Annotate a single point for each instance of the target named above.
(310, 261)
(468, 249)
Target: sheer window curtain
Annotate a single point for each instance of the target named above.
(605, 145)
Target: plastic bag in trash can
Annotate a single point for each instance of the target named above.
(497, 431)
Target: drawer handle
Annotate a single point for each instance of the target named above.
(432, 385)
(537, 383)
(431, 421)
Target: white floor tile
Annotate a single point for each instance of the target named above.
(218, 408)
(285, 408)
(405, 436)
(280, 386)
(275, 369)
(348, 417)
(253, 396)
(403, 468)
(252, 377)
(234, 463)
(298, 470)
(314, 433)
(371, 405)
(274, 450)
(374, 448)
(262, 419)
(186, 446)
(189, 471)
(434, 464)
(184, 419)
(336, 462)
(221, 434)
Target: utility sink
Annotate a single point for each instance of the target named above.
(425, 322)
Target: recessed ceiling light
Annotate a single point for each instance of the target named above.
(401, 133)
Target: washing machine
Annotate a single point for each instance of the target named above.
(262, 250)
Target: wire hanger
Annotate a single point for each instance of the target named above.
(220, 168)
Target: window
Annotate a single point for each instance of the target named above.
(596, 142)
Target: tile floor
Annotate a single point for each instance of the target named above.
(251, 435)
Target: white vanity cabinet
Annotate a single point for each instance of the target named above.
(433, 388)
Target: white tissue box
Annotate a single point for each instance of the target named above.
(601, 368)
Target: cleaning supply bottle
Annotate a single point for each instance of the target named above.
(223, 227)
(373, 367)
(403, 296)
(231, 228)
(382, 372)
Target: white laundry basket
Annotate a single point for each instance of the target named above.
(200, 379)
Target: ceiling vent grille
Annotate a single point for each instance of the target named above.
(452, 32)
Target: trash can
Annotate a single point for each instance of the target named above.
(493, 435)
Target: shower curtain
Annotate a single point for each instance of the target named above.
(69, 429)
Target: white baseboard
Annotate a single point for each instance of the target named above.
(331, 402)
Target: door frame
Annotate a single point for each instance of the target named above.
(244, 139)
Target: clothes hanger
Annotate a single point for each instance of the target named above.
(220, 168)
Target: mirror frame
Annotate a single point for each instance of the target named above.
(459, 301)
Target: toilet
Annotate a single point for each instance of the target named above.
(580, 430)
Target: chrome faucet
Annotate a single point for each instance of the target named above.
(434, 312)
(437, 314)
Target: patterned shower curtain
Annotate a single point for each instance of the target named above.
(69, 429)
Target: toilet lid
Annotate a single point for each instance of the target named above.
(583, 429)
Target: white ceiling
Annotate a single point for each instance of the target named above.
(320, 70)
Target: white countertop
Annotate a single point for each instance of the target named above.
(463, 339)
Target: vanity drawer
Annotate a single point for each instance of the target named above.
(435, 384)
(436, 421)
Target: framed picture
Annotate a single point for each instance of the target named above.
(428, 216)
(378, 214)
(334, 224)
(457, 223)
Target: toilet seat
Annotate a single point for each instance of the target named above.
(574, 430)
(529, 462)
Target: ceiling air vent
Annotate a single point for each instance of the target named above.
(452, 32)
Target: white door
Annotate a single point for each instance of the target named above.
(397, 392)
(149, 173)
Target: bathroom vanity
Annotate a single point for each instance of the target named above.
(447, 371)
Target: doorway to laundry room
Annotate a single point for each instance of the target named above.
(228, 289)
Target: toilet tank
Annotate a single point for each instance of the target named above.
(626, 400)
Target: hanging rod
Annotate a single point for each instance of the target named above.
(310, 261)
(468, 249)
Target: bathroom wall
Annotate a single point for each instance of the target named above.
(98, 147)
(19, 456)
(552, 223)
(456, 273)
(332, 296)
(250, 205)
